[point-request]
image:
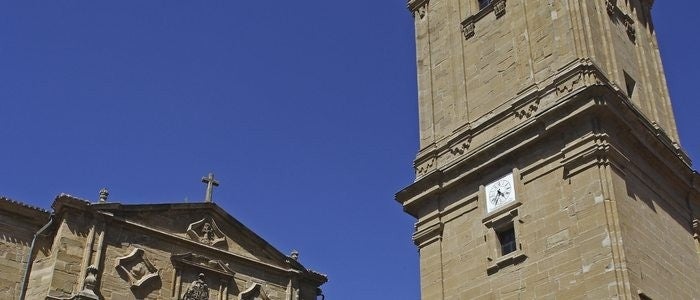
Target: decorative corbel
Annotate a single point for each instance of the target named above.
(418, 8)
(499, 7)
(611, 6)
(468, 28)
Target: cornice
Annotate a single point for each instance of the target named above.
(582, 90)
(428, 235)
(195, 244)
(36, 214)
(414, 5)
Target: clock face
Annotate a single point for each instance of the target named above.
(499, 193)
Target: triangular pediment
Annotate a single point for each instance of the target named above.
(203, 226)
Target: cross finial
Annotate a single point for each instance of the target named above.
(211, 183)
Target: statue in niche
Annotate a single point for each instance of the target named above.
(198, 290)
(206, 232)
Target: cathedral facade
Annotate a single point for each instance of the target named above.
(108, 250)
(549, 165)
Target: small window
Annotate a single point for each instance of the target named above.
(484, 3)
(629, 84)
(506, 239)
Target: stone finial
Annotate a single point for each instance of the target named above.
(104, 193)
(211, 183)
(294, 255)
(89, 284)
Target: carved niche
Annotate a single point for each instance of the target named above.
(206, 232)
(136, 269)
(214, 277)
(198, 290)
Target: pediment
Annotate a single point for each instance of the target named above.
(201, 226)
(197, 261)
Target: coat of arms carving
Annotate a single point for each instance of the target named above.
(206, 232)
(136, 268)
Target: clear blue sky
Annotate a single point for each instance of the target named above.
(305, 111)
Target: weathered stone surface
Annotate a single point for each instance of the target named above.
(112, 251)
(18, 223)
(570, 97)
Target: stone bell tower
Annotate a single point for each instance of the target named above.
(549, 162)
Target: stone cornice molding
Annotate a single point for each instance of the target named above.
(418, 8)
(202, 262)
(571, 78)
(195, 244)
(428, 235)
(582, 89)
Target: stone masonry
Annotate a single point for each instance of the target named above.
(570, 98)
(107, 250)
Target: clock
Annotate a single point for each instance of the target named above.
(499, 193)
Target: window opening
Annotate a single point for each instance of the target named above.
(506, 239)
(484, 3)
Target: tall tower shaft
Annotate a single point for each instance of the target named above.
(549, 161)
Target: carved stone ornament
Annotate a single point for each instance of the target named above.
(198, 289)
(499, 8)
(424, 167)
(137, 269)
(696, 228)
(254, 292)
(468, 28)
(206, 232)
(419, 8)
(89, 285)
(611, 6)
(201, 262)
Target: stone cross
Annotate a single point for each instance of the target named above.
(211, 183)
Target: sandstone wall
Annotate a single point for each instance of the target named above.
(18, 224)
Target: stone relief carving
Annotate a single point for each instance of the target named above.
(202, 262)
(206, 232)
(255, 292)
(419, 8)
(570, 84)
(198, 289)
(468, 28)
(90, 280)
(499, 8)
(137, 269)
(89, 285)
(460, 148)
(528, 110)
(423, 168)
(618, 15)
(611, 6)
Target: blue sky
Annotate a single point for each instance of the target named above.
(304, 110)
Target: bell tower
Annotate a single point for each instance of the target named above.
(549, 161)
